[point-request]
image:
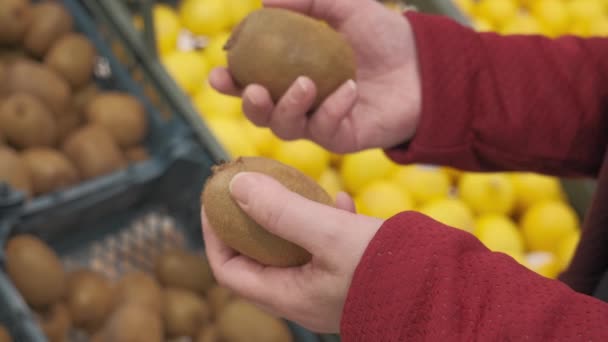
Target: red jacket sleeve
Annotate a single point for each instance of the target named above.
(421, 280)
(507, 103)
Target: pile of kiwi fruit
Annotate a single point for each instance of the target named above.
(178, 298)
(57, 127)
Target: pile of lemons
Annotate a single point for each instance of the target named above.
(521, 214)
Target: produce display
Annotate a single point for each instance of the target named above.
(57, 128)
(179, 298)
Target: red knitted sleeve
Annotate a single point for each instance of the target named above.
(495, 102)
(421, 280)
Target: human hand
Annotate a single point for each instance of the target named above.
(379, 110)
(312, 295)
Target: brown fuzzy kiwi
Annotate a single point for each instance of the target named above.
(132, 323)
(50, 170)
(273, 47)
(83, 96)
(141, 289)
(241, 232)
(94, 152)
(89, 298)
(15, 16)
(2, 139)
(184, 312)
(36, 270)
(14, 171)
(49, 22)
(73, 57)
(241, 321)
(31, 77)
(137, 154)
(67, 124)
(218, 297)
(55, 322)
(208, 333)
(26, 122)
(182, 269)
(122, 114)
(5, 335)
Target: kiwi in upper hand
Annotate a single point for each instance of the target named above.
(26, 122)
(14, 171)
(273, 47)
(15, 16)
(49, 22)
(5, 336)
(241, 232)
(50, 170)
(94, 151)
(55, 322)
(73, 57)
(122, 114)
(35, 78)
(89, 298)
(241, 321)
(183, 269)
(184, 312)
(36, 271)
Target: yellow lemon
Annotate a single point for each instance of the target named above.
(303, 155)
(262, 138)
(239, 9)
(382, 199)
(522, 24)
(552, 14)
(466, 6)
(361, 168)
(487, 193)
(520, 258)
(188, 68)
(211, 103)
(166, 28)
(543, 263)
(499, 233)
(566, 248)
(424, 183)
(205, 17)
(545, 224)
(331, 182)
(451, 212)
(497, 12)
(231, 134)
(214, 51)
(482, 25)
(585, 10)
(531, 188)
(599, 27)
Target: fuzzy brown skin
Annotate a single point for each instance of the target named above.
(55, 322)
(15, 17)
(49, 22)
(182, 269)
(89, 298)
(184, 312)
(14, 171)
(241, 321)
(73, 57)
(50, 170)
(27, 122)
(238, 230)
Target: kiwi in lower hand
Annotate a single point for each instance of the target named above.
(73, 57)
(241, 321)
(49, 22)
(184, 312)
(94, 151)
(14, 171)
(26, 122)
(89, 298)
(50, 170)
(273, 47)
(241, 232)
(15, 16)
(183, 269)
(55, 322)
(36, 271)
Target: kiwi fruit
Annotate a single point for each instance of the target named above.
(122, 114)
(35, 78)
(55, 322)
(14, 171)
(82, 97)
(184, 312)
(73, 57)
(67, 124)
(35, 270)
(26, 122)
(208, 333)
(241, 321)
(132, 323)
(241, 232)
(90, 298)
(218, 297)
(273, 47)
(49, 22)
(2, 139)
(94, 151)
(137, 154)
(49, 169)
(15, 16)
(183, 269)
(5, 336)
(139, 288)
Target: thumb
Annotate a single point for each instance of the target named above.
(333, 11)
(287, 214)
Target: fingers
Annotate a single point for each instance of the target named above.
(330, 115)
(335, 11)
(345, 202)
(289, 118)
(221, 80)
(257, 105)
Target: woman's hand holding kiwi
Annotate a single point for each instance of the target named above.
(312, 294)
(379, 108)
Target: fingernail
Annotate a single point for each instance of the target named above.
(302, 84)
(241, 186)
(254, 98)
(352, 85)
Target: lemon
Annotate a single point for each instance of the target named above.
(231, 134)
(552, 15)
(262, 138)
(466, 6)
(487, 193)
(205, 17)
(166, 28)
(361, 168)
(424, 183)
(497, 12)
(482, 25)
(543, 263)
(545, 224)
(499, 233)
(599, 27)
(382, 199)
(303, 155)
(214, 51)
(450, 211)
(239, 9)
(520, 258)
(585, 10)
(531, 188)
(566, 248)
(188, 68)
(522, 24)
(211, 103)
(330, 181)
